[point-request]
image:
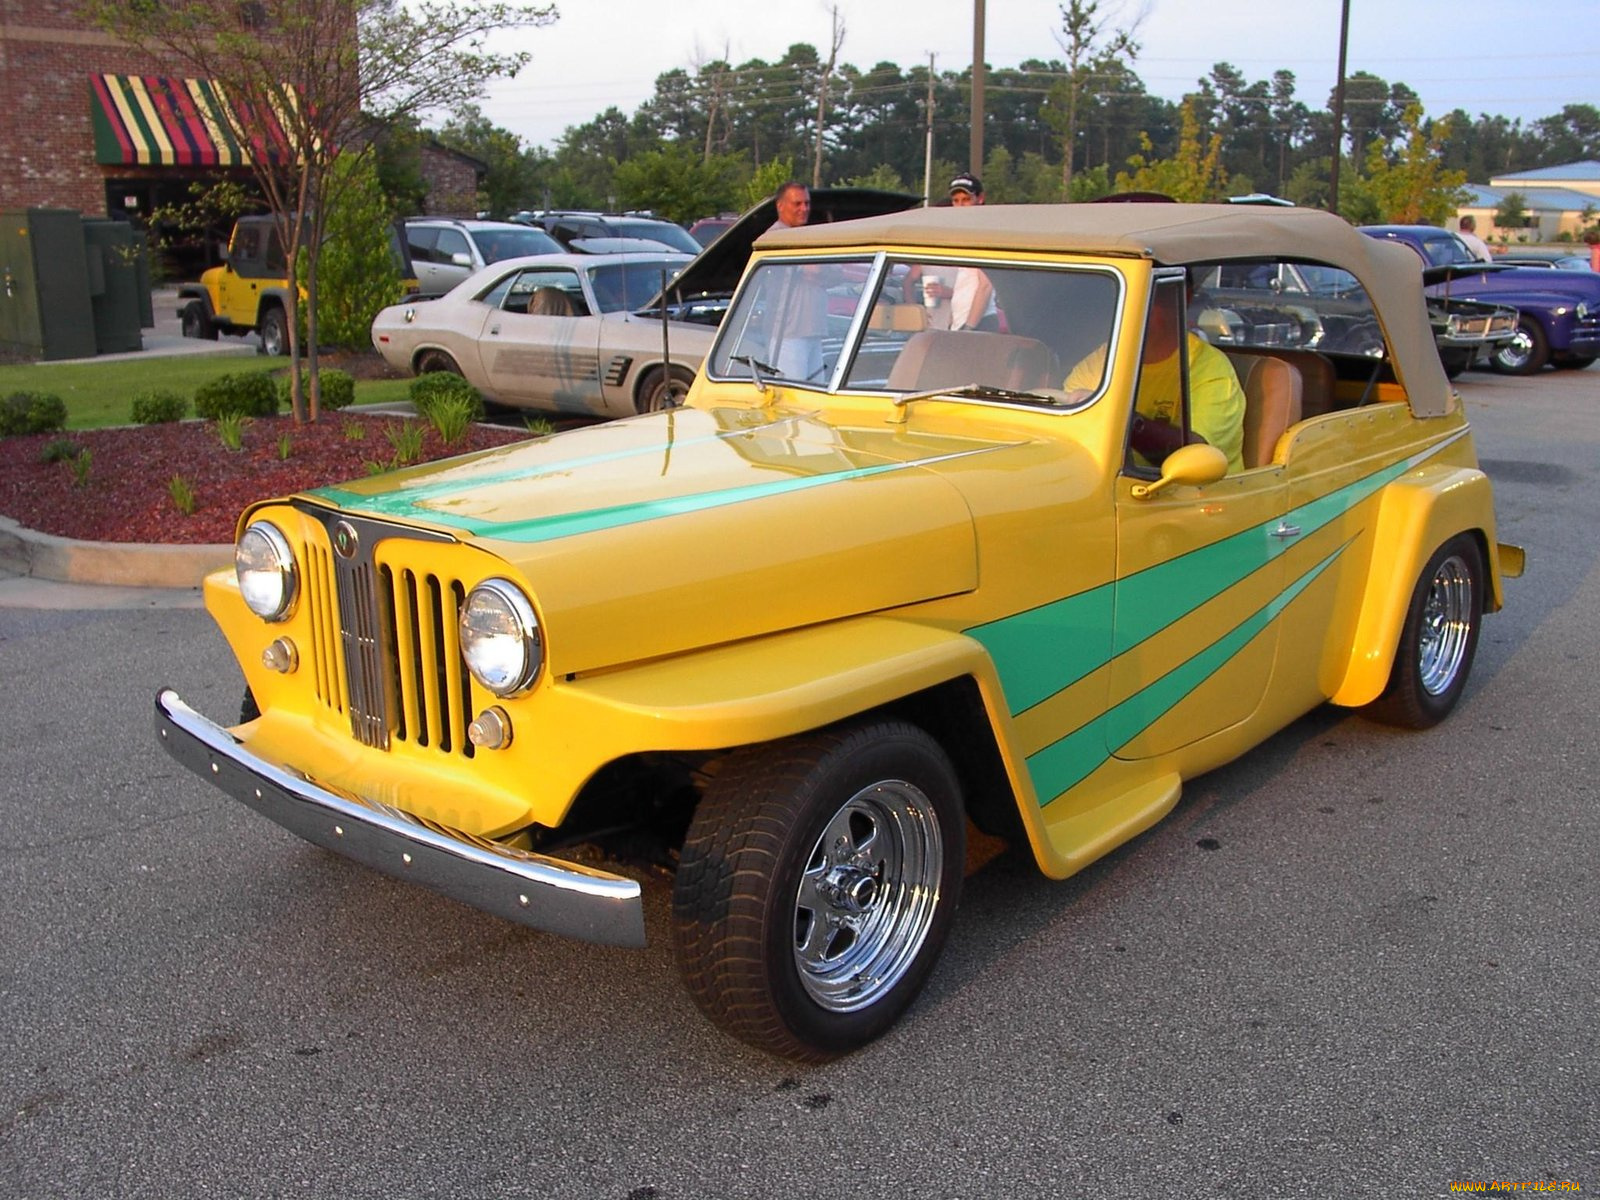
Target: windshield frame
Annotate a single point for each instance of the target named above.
(880, 265)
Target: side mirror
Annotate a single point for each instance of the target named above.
(1191, 466)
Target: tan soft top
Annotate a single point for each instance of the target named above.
(1175, 235)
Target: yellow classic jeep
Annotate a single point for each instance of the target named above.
(883, 575)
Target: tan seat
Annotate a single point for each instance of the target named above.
(949, 358)
(1272, 394)
(1317, 380)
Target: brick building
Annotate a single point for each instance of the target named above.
(91, 124)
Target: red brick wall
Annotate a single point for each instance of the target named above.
(452, 184)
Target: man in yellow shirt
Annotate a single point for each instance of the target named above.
(1216, 401)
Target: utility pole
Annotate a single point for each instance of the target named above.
(1338, 110)
(927, 154)
(975, 146)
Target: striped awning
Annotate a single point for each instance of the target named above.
(162, 121)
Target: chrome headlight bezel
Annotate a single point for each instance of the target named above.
(501, 642)
(264, 565)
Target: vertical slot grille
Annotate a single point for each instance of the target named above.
(385, 643)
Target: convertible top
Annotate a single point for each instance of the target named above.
(1175, 235)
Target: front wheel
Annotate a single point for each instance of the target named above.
(1526, 352)
(817, 885)
(662, 388)
(274, 332)
(1438, 640)
(1574, 362)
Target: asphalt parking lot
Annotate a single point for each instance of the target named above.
(1356, 962)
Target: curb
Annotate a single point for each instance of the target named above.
(120, 564)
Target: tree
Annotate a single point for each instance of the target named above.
(1191, 176)
(309, 81)
(1512, 211)
(1413, 186)
(512, 180)
(359, 274)
(676, 183)
(1089, 48)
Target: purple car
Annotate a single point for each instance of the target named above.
(1560, 310)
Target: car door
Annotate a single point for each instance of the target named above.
(542, 359)
(1199, 583)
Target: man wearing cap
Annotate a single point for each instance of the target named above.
(969, 293)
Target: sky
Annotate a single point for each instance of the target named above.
(1454, 55)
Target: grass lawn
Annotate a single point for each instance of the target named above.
(101, 394)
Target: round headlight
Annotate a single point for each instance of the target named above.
(264, 565)
(500, 637)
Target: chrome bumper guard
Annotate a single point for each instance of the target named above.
(543, 893)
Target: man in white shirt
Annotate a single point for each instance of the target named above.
(966, 301)
(1468, 233)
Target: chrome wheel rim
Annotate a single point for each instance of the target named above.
(1516, 352)
(273, 337)
(1446, 625)
(867, 897)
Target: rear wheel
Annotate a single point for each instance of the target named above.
(196, 322)
(430, 361)
(663, 388)
(817, 885)
(274, 329)
(1438, 640)
(1525, 353)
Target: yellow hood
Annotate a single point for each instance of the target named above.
(659, 534)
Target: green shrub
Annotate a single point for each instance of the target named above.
(230, 431)
(247, 393)
(158, 406)
(338, 388)
(182, 493)
(60, 450)
(451, 417)
(406, 439)
(443, 388)
(32, 412)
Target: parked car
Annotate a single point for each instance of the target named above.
(576, 230)
(1556, 262)
(708, 229)
(1559, 322)
(608, 360)
(872, 582)
(558, 332)
(445, 250)
(1318, 307)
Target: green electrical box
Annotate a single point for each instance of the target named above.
(45, 310)
(113, 254)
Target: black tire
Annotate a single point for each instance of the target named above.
(662, 388)
(1454, 362)
(431, 361)
(274, 329)
(1439, 639)
(1573, 362)
(196, 322)
(817, 885)
(1527, 351)
(249, 710)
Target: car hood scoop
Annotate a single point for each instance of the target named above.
(662, 533)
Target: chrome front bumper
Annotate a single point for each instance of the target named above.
(530, 889)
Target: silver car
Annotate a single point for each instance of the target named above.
(560, 333)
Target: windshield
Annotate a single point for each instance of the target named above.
(513, 242)
(918, 325)
(656, 231)
(630, 285)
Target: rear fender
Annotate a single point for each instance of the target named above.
(1418, 515)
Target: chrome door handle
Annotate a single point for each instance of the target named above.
(1286, 530)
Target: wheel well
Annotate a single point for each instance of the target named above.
(638, 807)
